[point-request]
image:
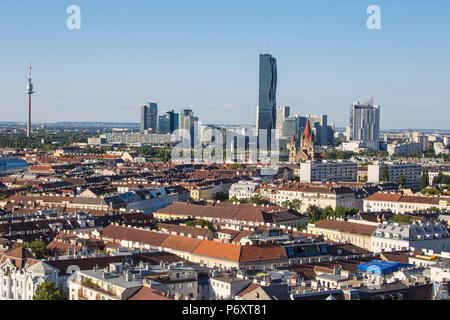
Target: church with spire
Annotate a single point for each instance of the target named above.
(307, 150)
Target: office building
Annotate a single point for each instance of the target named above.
(266, 110)
(149, 117)
(282, 114)
(330, 134)
(365, 125)
(319, 126)
(289, 127)
(168, 122)
(187, 121)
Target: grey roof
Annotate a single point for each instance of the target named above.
(42, 268)
(117, 280)
(277, 292)
(89, 201)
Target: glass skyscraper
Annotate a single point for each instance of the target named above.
(365, 125)
(149, 117)
(267, 107)
(168, 122)
(188, 121)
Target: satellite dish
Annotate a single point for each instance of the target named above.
(339, 251)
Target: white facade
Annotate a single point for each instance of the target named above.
(365, 124)
(242, 189)
(21, 284)
(321, 197)
(354, 146)
(396, 237)
(411, 171)
(225, 288)
(400, 204)
(405, 148)
(328, 171)
(439, 148)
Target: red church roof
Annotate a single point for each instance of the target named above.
(307, 135)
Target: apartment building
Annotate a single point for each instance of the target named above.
(243, 189)
(21, 274)
(228, 212)
(121, 281)
(411, 172)
(328, 171)
(418, 236)
(225, 287)
(342, 231)
(399, 203)
(320, 195)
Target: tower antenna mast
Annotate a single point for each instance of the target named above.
(29, 93)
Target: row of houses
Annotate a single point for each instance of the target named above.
(399, 203)
(386, 236)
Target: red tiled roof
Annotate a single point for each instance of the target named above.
(135, 235)
(344, 226)
(147, 293)
(262, 252)
(218, 250)
(384, 197)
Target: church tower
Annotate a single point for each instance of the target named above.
(292, 149)
(307, 143)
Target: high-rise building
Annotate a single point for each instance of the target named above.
(168, 122)
(365, 124)
(267, 110)
(288, 127)
(29, 93)
(330, 134)
(149, 117)
(282, 114)
(188, 121)
(319, 125)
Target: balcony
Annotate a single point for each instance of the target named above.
(88, 283)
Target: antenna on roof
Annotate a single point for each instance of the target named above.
(372, 99)
(268, 47)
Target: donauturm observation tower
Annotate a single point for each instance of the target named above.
(29, 93)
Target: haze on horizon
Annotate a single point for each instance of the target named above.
(203, 55)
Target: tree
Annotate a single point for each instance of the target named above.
(38, 248)
(293, 205)
(327, 212)
(401, 218)
(340, 211)
(258, 200)
(401, 180)
(236, 166)
(441, 179)
(314, 213)
(385, 174)
(202, 223)
(48, 291)
(220, 196)
(425, 180)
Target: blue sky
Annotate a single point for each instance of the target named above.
(204, 55)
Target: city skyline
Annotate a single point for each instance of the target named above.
(218, 78)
